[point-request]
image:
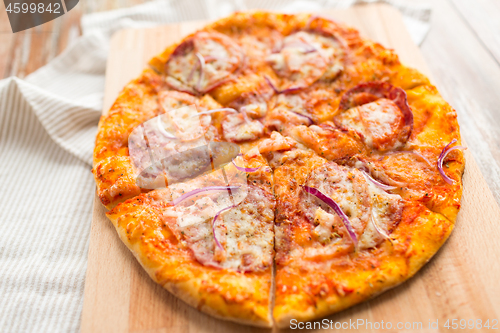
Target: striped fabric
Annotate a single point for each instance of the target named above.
(47, 129)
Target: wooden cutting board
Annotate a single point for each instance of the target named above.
(460, 282)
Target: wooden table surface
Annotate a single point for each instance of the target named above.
(462, 50)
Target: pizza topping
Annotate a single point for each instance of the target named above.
(169, 148)
(171, 100)
(416, 153)
(287, 111)
(332, 204)
(284, 91)
(253, 99)
(385, 214)
(231, 110)
(204, 61)
(184, 165)
(161, 127)
(325, 223)
(255, 109)
(231, 232)
(238, 128)
(380, 111)
(179, 86)
(350, 206)
(243, 168)
(329, 142)
(213, 225)
(275, 143)
(446, 150)
(380, 123)
(189, 125)
(304, 58)
(376, 182)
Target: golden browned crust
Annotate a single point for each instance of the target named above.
(305, 289)
(225, 294)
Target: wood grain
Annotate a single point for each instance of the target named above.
(460, 282)
(483, 16)
(469, 78)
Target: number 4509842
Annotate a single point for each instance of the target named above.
(33, 8)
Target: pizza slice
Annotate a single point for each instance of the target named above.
(341, 239)
(209, 240)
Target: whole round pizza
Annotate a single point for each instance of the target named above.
(271, 167)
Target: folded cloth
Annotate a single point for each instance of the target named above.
(47, 130)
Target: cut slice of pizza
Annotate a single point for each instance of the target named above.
(209, 240)
(367, 214)
(341, 239)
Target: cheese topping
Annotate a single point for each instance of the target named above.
(239, 128)
(289, 110)
(204, 61)
(305, 57)
(379, 122)
(363, 203)
(244, 231)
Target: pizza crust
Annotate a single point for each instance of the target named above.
(227, 295)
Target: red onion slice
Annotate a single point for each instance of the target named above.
(407, 152)
(311, 121)
(292, 89)
(271, 84)
(377, 183)
(245, 169)
(213, 225)
(201, 190)
(307, 48)
(214, 111)
(379, 229)
(284, 91)
(336, 208)
(162, 130)
(217, 84)
(446, 150)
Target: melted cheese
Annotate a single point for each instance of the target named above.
(205, 60)
(364, 203)
(385, 212)
(245, 231)
(378, 122)
(237, 129)
(305, 57)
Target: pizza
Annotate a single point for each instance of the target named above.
(271, 167)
